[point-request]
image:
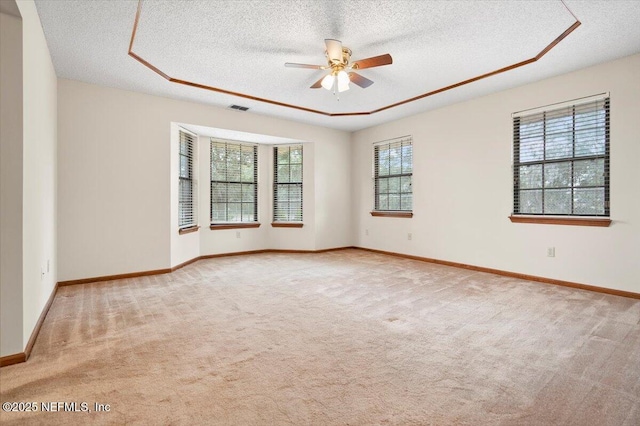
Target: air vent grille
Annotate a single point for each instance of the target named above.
(238, 107)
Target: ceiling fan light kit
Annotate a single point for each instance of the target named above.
(327, 82)
(339, 79)
(343, 81)
(338, 61)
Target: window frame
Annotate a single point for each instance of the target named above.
(229, 224)
(402, 141)
(554, 112)
(277, 220)
(188, 140)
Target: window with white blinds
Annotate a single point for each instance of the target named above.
(287, 183)
(187, 182)
(561, 160)
(234, 182)
(393, 171)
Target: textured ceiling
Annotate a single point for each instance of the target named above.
(242, 46)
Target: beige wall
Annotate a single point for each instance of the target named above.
(29, 138)
(39, 168)
(96, 168)
(98, 190)
(10, 185)
(332, 187)
(118, 183)
(326, 205)
(463, 186)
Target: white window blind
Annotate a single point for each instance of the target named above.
(287, 183)
(234, 182)
(187, 182)
(393, 171)
(561, 160)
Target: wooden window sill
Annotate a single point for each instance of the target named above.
(392, 214)
(287, 225)
(188, 230)
(575, 221)
(217, 226)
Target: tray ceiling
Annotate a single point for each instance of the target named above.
(241, 46)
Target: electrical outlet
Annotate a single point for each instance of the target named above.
(237, 234)
(48, 269)
(366, 232)
(551, 252)
(409, 236)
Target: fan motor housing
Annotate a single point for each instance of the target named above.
(346, 57)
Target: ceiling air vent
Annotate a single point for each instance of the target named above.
(238, 107)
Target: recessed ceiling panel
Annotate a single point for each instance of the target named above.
(242, 46)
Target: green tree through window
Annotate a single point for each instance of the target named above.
(393, 173)
(234, 182)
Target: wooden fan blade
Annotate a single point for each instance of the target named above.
(375, 61)
(317, 84)
(334, 49)
(360, 80)
(294, 65)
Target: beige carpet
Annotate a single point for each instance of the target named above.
(340, 338)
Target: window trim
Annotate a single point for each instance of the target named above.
(189, 230)
(389, 213)
(571, 218)
(215, 225)
(234, 225)
(287, 223)
(559, 220)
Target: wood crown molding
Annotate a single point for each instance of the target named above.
(391, 214)
(574, 221)
(217, 226)
(162, 74)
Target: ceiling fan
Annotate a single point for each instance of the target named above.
(338, 61)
